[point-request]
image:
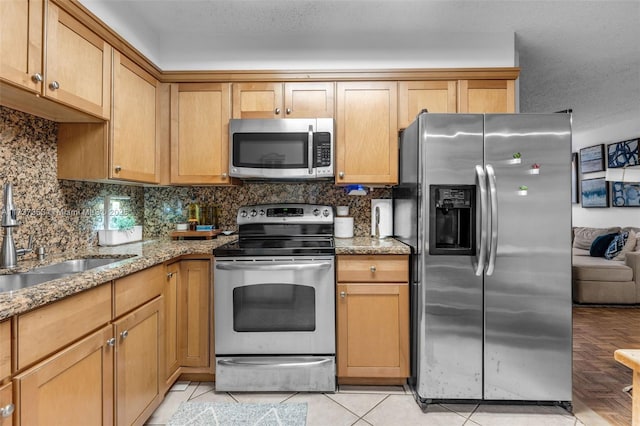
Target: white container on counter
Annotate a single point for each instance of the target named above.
(382, 214)
(342, 210)
(343, 227)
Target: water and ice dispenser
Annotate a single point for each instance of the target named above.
(452, 220)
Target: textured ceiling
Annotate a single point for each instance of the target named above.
(577, 54)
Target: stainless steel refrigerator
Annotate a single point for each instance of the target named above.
(485, 203)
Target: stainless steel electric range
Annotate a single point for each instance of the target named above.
(274, 303)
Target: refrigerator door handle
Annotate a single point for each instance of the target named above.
(493, 199)
(482, 186)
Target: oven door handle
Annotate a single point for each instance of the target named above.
(273, 363)
(251, 266)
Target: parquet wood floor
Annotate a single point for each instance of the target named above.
(598, 379)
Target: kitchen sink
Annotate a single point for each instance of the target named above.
(22, 280)
(76, 265)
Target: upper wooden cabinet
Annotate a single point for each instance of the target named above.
(135, 148)
(72, 67)
(414, 96)
(200, 115)
(486, 96)
(21, 43)
(367, 133)
(283, 100)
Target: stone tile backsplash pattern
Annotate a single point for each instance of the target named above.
(63, 215)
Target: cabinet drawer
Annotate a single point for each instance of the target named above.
(379, 268)
(47, 329)
(6, 400)
(5, 349)
(136, 289)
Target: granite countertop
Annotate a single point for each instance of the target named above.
(138, 256)
(371, 246)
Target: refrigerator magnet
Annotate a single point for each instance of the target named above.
(522, 190)
(535, 169)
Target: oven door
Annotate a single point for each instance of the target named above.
(274, 306)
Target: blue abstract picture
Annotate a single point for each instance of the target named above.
(595, 193)
(621, 154)
(625, 194)
(592, 159)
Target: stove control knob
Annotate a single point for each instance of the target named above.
(316, 212)
(243, 213)
(254, 213)
(325, 212)
(261, 212)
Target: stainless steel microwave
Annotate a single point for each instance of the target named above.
(287, 149)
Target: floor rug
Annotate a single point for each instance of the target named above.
(192, 413)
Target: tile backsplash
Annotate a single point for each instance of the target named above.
(63, 215)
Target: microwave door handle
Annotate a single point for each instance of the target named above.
(310, 150)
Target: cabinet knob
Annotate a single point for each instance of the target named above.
(277, 111)
(288, 110)
(7, 410)
(124, 334)
(341, 175)
(36, 78)
(343, 294)
(372, 268)
(170, 274)
(224, 175)
(118, 169)
(54, 85)
(111, 342)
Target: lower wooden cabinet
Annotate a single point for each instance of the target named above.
(137, 364)
(73, 387)
(170, 293)
(7, 407)
(372, 311)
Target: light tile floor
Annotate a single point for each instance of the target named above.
(384, 406)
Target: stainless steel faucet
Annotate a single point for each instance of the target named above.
(9, 254)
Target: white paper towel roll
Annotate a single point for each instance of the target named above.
(343, 227)
(385, 226)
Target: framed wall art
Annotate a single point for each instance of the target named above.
(622, 154)
(575, 194)
(592, 159)
(625, 194)
(595, 193)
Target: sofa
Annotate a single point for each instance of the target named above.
(599, 280)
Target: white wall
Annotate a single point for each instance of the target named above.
(620, 128)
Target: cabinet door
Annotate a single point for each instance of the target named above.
(257, 100)
(5, 349)
(135, 153)
(7, 405)
(414, 96)
(309, 100)
(78, 65)
(373, 330)
(196, 318)
(486, 96)
(200, 115)
(138, 359)
(73, 387)
(170, 296)
(367, 133)
(21, 43)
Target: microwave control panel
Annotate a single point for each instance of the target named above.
(322, 148)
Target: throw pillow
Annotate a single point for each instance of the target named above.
(583, 237)
(600, 244)
(616, 245)
(630, 245)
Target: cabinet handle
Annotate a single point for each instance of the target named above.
(343, 294)
(54, 85)
(36, 78)
(124, 334)
(288, 110)
(118, 169)
(341, 175)
(7, 410)
(224, 176)
(170, 274)
(277, 111)
(111, 342)
(373, 268)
